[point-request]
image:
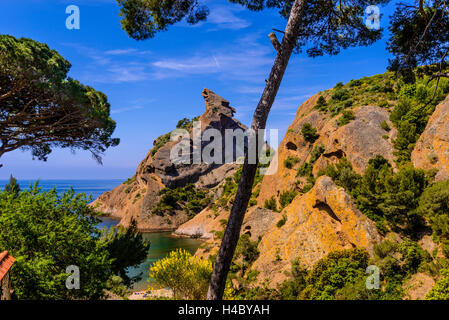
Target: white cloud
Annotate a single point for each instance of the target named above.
(123, 52)
(121, 110)
(225, 18)
(245, 60)
(112, 66)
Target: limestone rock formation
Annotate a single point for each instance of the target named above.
(432, 149)
(137, 197)
(323, 220)
(358, 141)
(257, 221)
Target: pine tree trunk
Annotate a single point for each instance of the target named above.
(232, 233)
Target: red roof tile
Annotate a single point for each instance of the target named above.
(6, 262)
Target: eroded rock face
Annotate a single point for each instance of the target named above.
(204, 225)
(323, 220)
(358, 141)
(432, 149)
(137, 199)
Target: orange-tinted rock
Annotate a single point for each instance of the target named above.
(323, 220)
(358, 141)
(138, 198)
(432, 149)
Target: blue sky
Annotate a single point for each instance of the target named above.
(152, 84)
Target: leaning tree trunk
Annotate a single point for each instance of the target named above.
(232, 233)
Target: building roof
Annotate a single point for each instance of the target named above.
(6, 262)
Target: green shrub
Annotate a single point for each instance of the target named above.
(271, 204)
(186, 275)
(355, 83)
(307, 187)
(290, 162)
(317, 152)
(441, 289)
(434, 205)
(342, 174)
(321, 104)
(340, 95)
(309, 132)
(188, 198)
(305, 170)
(333, 272)
(245, 254)
(130, 180)
(339, 85)
(287, 197)
(281, 222)
(384, 125)
(160, 142)
(346, 117)
(46, 232)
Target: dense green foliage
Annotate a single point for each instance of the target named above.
(282, 221)
(317, 151)
(434, 205)
(326, 28)
(12, 187)
(231, 184)
(332, 273)
(287, 197)
(186, 275)
(387, 197)
(309, 132)
(346, 117)
(290, 162)
(245, 255)
(46, 233)
(41, 108)
(188, 198)
(126, 248)
(419, 36)
(271, 204)
(441, 289)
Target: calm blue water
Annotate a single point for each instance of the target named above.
(89, 187)
(161, 243)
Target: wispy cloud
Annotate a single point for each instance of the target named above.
(244, 59)
(136, 104)
(121, 110)
(124, 52)
(225, 18)
(113, 66)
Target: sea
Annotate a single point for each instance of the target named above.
(162, 243)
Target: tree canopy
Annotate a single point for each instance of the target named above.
(420, 35)
(41, 108)
(326, 27)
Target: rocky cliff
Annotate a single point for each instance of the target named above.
(322, 217)
(358, 141)
(432, 149)
(298, 212)
(137, 197)
(323, 220)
